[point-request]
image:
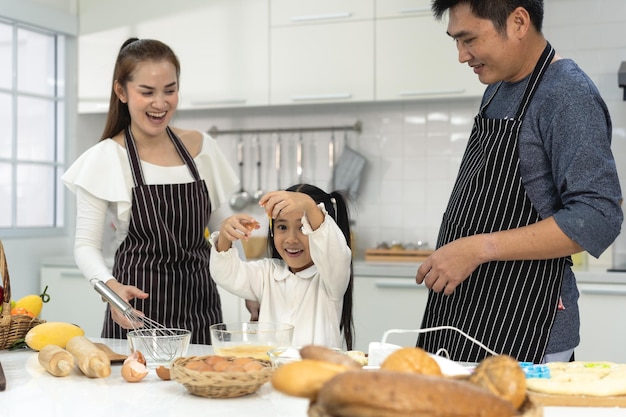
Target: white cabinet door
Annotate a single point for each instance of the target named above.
(298, 12)
(416, 59)
(322, 63)
(381, 304)
(96, 59)
(72, 299)
(602, 332)
(222, 46)
(397, 8)
(223, 50)
(233, 307)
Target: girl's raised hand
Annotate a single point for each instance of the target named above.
(238, 226)
(276, 202)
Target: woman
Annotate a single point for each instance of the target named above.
(160, 184)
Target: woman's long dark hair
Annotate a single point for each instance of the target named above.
(337, 208)
(133, 52)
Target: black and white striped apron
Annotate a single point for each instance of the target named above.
(166, 254)
(508, 306)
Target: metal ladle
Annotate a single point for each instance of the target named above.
(256, 196)
(240, 199)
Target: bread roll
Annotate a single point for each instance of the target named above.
(502, 376)
(411, 359)
(322, 353)
(398, 394)
(304, 378)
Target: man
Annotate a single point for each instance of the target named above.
(537, 184)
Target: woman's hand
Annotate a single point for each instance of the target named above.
(127, 293)
(238, 226)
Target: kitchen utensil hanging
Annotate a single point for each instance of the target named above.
(277, 161)
(256, 196)
(331, 159)
(240, 199)
(299, 149)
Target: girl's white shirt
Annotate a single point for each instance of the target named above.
(102, 180)
(311, 300)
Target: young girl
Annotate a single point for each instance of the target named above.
(308, 280)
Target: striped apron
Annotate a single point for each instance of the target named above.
(509, 306)
(165, 253)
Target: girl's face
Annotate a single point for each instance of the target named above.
(290, 242)
(152, 97)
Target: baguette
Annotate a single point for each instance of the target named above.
(400, 394)
(322, 353)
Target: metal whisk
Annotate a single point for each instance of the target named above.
(159, 344)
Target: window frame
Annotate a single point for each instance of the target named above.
(64, 42)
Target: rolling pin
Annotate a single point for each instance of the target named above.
(56, 360)
(91, 360)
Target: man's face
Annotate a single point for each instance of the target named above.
(494, 56)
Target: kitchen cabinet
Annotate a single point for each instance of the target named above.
(398, 8)
(602, 334)
(222, 46)
(382, 303)
(298, 12)
(73, 299)
(416, 59)
(325, 62)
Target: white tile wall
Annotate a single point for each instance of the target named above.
(414, 148)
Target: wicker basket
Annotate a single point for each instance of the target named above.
(12, 328)
(219, 384)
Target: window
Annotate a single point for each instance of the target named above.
(31, 128)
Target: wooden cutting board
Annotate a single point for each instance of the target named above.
(551, 400)
(397, 255)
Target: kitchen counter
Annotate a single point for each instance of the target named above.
(593, 275)
(32, 391)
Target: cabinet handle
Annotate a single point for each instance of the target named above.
(314, 97)
(72, 275)
(217, 102)
(397, 284)
(326, 16)
(430, 92)
(602, 289)
(414, 10)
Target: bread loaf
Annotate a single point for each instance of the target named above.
(502, 376)
(304, 378)
(322, 353)
(399, 394)
(411, 359)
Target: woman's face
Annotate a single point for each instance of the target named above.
(152, 97)
(291, 244)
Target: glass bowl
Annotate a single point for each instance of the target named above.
(249, 339)
(282, 355)
(159, 346)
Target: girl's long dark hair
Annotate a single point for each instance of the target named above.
(337, 208)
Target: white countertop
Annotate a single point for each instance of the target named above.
(32, 391)
(594, 275)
